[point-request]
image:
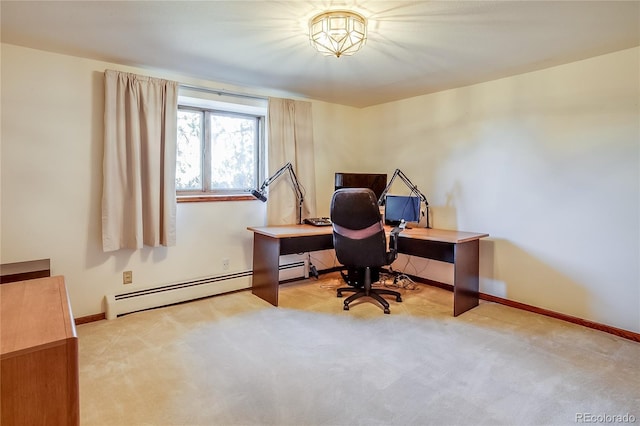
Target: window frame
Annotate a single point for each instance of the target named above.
(236, 194)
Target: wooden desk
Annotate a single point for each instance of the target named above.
(39, 346)
(459, 248)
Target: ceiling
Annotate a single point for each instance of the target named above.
(413, 48)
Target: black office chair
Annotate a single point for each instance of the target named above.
(360, 243)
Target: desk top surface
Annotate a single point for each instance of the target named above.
(442, 235)
(35, 314)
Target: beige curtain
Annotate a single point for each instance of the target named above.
(290, 140)
(138, 198)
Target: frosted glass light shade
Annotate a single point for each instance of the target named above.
(338, 32)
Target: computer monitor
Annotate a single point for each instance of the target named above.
(398, 207)
(376, 182)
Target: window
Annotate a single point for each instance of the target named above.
(220, 148)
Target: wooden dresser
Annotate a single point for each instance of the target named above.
(39, 347)
(20, 271)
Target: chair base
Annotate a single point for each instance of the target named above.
(367, 291)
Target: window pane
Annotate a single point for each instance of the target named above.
(189, 151)
(233, 152)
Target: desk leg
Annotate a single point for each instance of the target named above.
(266, 259)
(466, 276)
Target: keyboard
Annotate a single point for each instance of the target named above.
(318, 221)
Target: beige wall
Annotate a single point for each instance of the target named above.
(546, 162)
(335, 139)
(51, 181)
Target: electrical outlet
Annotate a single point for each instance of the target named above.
(127, 277)
(225, 263)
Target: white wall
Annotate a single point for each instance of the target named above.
(51, 184)
(548, 164)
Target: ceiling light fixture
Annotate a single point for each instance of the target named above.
(338, 32)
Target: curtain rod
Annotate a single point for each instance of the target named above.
(222, 92)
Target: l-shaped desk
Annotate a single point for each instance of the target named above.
(459, 248)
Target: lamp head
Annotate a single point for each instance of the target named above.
(259, 195)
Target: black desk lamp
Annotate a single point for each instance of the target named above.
(412, 187)
(261, 195)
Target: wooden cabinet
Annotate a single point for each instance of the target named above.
(39, 361)
(20, 271)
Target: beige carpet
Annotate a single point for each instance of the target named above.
(236, 360)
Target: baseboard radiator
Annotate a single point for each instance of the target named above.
(149, 298)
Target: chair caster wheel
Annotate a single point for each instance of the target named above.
(339, 295)
(387, 311)
(346, 307)
(398, 299)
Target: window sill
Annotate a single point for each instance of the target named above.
(213, 198)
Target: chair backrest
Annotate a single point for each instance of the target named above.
(358, 233)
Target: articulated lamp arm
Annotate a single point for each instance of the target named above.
(260, 194)
(414, 190)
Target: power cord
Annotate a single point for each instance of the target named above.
(405, 282)
(400, 281)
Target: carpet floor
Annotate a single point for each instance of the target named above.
(236, 360)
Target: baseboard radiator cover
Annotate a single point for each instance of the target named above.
(155, 297)
(294, 270)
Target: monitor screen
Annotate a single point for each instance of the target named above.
(400, 207)
(376, 182)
